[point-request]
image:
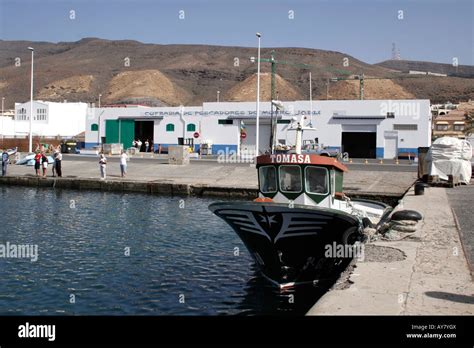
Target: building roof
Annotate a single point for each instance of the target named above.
(455, 115)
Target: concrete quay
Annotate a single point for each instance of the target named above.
(199, 178)
(433, 278)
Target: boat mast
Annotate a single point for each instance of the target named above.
(299, 136)
(310, 102)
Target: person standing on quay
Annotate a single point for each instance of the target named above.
(123, 164)
(53, 167)
(44, 163)
(37, 163)
(4, 162)
(103, 166)
(147, 145)
(57, 163)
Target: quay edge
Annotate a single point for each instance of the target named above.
(165, 187)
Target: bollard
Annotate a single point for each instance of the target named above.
(419, 189)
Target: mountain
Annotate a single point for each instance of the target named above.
(448, 69)
(133, 72)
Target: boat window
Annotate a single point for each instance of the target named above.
(290, 179)
(333, 182)
(316, 180)
(267, 177)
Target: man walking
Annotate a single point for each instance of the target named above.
(123, 163)
(4, 162)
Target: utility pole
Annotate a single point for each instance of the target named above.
(272, 98)
(30, 142)
(327, 90)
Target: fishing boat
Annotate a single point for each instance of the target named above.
(300, 211)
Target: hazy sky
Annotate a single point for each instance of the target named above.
(432, 30)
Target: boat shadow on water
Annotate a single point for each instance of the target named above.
(263, 298)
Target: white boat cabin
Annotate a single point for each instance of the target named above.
(300, 179)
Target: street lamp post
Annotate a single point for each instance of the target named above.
(257, 129)
(218, 93)
(30, 143)
(98, 127)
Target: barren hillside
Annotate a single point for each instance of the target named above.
(191, 74)
(143, 84)
(247, 89)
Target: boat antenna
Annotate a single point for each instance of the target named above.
(310, 102)
(278, 107)
(299, 136)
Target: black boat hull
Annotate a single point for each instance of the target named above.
(289, 244)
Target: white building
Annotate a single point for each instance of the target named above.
(49, 119)
(363, 128)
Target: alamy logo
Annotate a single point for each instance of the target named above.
(19, 251)
(37, 331)
(334, 250)
(400, 108)
(230, 156)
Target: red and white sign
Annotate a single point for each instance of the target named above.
(196, 135)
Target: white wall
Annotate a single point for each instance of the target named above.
(329, 130)
(63, 119)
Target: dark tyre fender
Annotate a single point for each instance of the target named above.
(406, 215)
(351, 235)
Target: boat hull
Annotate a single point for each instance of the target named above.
(288, 243)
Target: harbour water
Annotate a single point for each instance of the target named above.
(103, 253)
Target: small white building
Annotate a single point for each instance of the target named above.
(363, 128)
(49, 119)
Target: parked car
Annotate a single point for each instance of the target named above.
(317, 149)
(69, 146)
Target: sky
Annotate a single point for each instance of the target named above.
(427, 30)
